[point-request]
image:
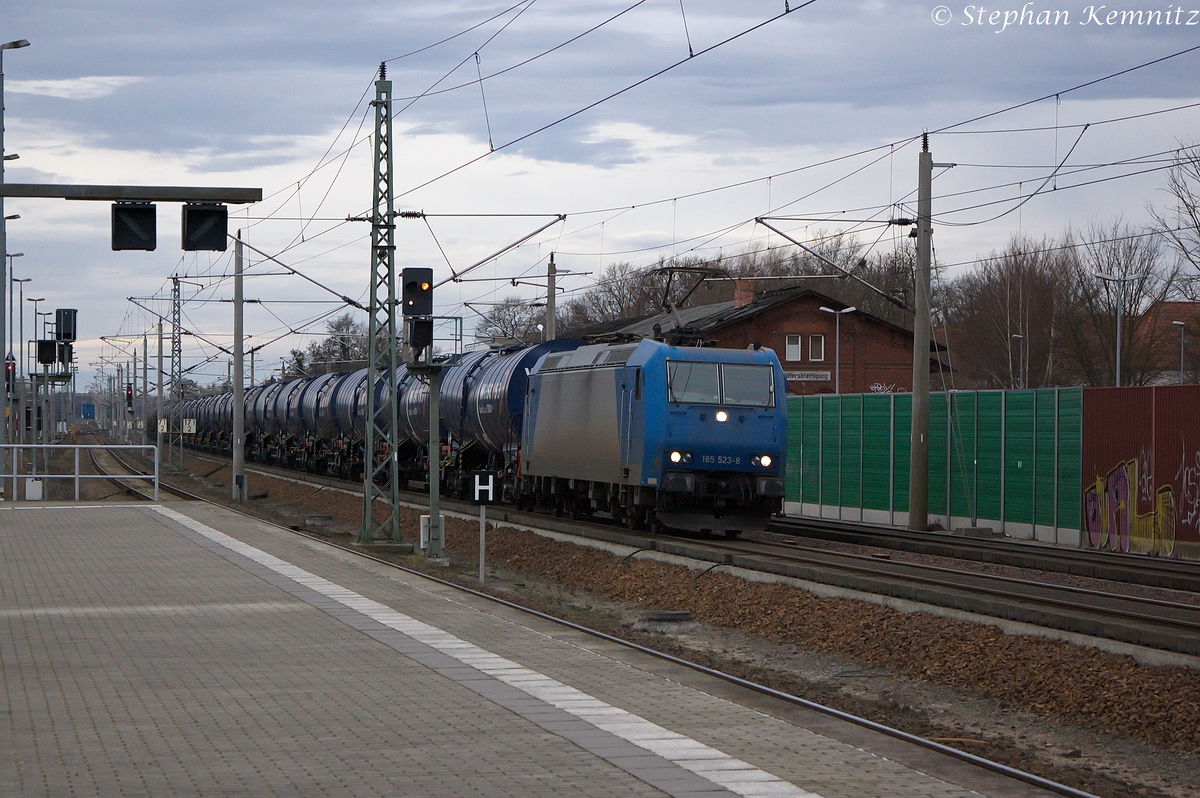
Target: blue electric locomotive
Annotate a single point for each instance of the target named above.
(658, 435)
(651, 434)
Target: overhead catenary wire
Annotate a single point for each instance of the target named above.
(1026, 199)
(602, 100)
(564, 233)
(945, 129)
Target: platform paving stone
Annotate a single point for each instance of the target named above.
(193, 651)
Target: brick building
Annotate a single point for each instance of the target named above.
(875, 354)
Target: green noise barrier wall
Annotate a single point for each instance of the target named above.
(1005, 460)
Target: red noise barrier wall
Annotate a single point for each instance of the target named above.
(1141, 470)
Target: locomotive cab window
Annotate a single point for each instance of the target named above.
(693, 383)
(749, 385)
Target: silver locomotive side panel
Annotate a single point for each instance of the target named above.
(573, 430)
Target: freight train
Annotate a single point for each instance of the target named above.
(650, 434)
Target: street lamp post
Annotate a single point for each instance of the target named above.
(1181, 327)
(10, 426)
(1020, 339)
(31, 369)
(837, 345)
(11, 280)
(1120, 281)
(33, 334)
(19, 377)
(4, 412)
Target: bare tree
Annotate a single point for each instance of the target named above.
(295, 365)
(840, 248)
(343, 349)
(1180, 225)
(626, 291)
(1006, 316)
(1144, 280)
(511, 320)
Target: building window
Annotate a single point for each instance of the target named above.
(792, 351)
(816, 347)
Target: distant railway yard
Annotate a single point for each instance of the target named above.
(1085, 674)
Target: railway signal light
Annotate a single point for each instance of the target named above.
(205, 226)
(134, 226)
(10, 375)
(47, 352)
(129, 397)
(417, 292)
(65, 323)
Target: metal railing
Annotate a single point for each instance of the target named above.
(11, 454)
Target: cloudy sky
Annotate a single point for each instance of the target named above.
(811, 114)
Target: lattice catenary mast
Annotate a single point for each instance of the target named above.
(379, 445)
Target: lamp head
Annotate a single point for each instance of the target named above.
(19, 43)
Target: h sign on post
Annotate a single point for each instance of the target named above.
(484, 487)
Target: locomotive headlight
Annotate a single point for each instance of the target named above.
(722, 415)
(681, 457)
(763, 460)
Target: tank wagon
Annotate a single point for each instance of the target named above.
(651, 434)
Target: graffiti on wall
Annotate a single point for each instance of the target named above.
(1189, 488)
(1111, 503)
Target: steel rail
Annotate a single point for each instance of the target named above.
(1152, 571)
(873, 567)
(116, 479)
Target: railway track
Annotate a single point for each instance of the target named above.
(1167, 622)
(121, 473)
(1114, 566)
(1153, 622)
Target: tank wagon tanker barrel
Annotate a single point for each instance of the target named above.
(651, 434)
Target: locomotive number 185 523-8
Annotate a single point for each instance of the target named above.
(720, 459)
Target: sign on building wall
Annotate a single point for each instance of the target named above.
(808, 376)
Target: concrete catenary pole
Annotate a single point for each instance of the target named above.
(551, 273)
(918, 460)
(145, 384)
(239, 389)
(158, 435)
(437, 541)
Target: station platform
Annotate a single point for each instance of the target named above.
(150, 650)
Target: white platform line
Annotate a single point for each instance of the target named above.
(705, 761)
